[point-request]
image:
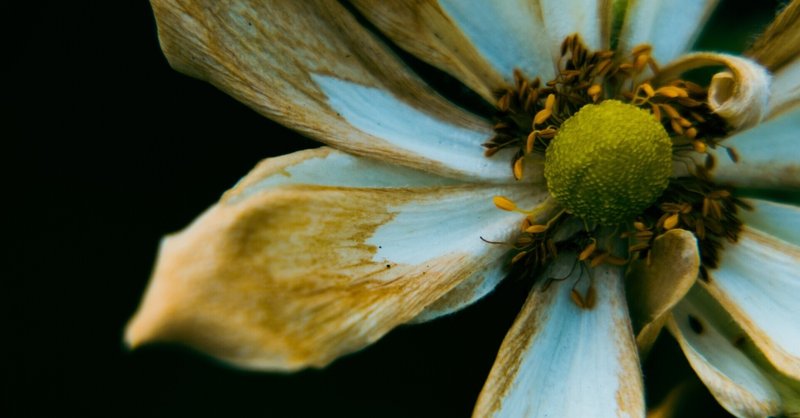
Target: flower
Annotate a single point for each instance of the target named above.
(319, 253)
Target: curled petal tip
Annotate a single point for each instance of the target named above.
(739, 94)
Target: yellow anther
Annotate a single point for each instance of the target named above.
(641, 61)
(536, 229)
(671, 111)
(656, 109)
(616, 261)
(594, 91)
(587, 251)
(691, 133)
(504, 203)
(519, 256)
(684, 122)
(672, 92)
(671, 221)
(550, 101)
(639, 226)
(542, 116)
(530, 142)
(643, 48)
(545, 113)
(699, 146)
(518, 168)
(648, 90)
(676, 126)
(600, 259)
(584, 302)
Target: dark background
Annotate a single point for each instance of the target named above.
(105, 150)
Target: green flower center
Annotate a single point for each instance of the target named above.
(608, 162)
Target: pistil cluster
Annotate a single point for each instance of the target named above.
(532, 116)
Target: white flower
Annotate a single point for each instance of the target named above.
(319, 253)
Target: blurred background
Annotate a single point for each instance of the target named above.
(106, 149)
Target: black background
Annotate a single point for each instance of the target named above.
(105, 150)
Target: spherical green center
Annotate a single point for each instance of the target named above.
(608, 162)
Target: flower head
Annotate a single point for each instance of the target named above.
(625, 193)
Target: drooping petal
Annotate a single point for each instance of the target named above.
(560, 360)
(739, 95)
(780, 43)
(301, 62)
(767, 155)
(670, 27)
(482, 42)
(317, 254)
(758, 283)
(709, 344)
(655, 285)
(778, 49)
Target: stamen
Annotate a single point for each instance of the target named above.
(504, 203)
(536, 229)
(518, 168)
(531, 114)
(589, 250)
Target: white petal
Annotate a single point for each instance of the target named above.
(560, 360)
(383, 115)
(591, 19)
(527, 34)
(329, 167)
(734, 380)
(785, 89)
(301, 263)
(479, 284)
(758, 283)
(767, 153)
(670, 27)
(269, 54)
(510, 34)
(775, 219)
